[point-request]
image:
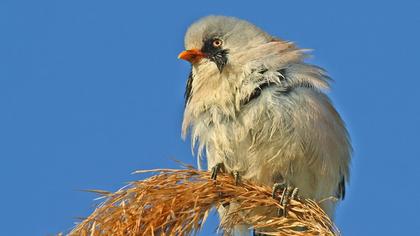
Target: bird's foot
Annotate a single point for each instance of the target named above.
(219, 167)
(288, 193)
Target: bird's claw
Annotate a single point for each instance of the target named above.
(215, 170)
(288, 193)
(255, 233)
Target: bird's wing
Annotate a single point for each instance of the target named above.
(188, 88)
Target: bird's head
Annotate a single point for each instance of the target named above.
(218, 40)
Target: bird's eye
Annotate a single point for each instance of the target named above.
(217, 43)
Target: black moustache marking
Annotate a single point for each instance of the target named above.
(220, 58)
(217, 55)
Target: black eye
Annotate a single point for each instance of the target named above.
(217, 43)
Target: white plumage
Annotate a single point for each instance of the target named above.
(287, 130)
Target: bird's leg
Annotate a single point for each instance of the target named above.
(216, 169)
(288, 193)
(277, 187)
(237, 177)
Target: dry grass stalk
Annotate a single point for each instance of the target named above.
(177, 202)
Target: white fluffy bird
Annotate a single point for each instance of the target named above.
(256, 108)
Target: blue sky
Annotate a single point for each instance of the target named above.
(93, 90)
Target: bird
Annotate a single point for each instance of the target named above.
(256, 109)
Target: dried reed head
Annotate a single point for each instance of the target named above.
(177, 202)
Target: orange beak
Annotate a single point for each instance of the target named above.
(193, 55)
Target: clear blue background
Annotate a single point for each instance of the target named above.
(92, 90)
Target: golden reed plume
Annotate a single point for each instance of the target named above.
(177, 202)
